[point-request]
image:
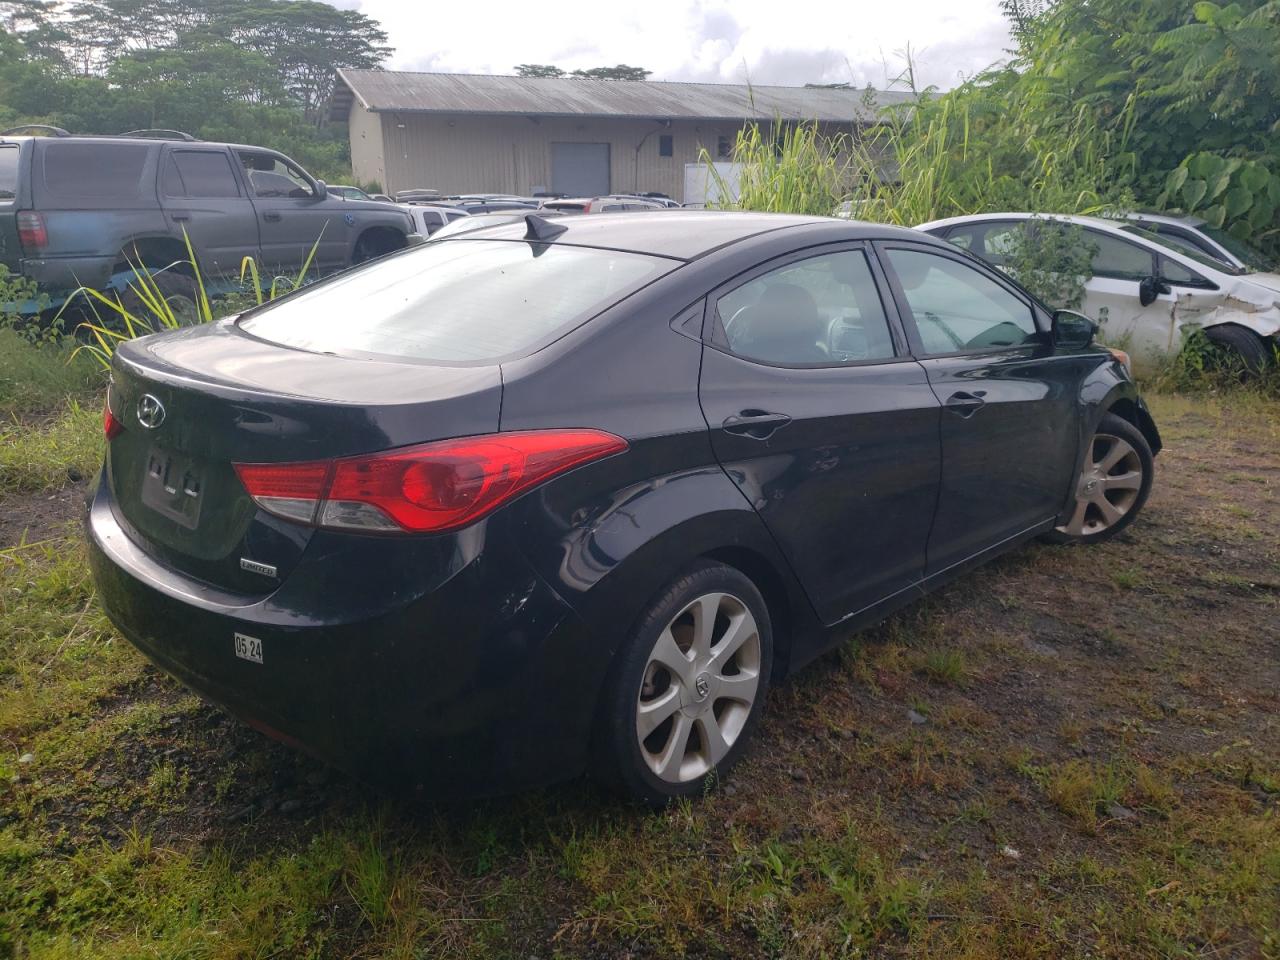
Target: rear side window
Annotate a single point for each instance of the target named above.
(94, 170)
(457, 301)
(8, 171)
(199, 173)
(821, 311)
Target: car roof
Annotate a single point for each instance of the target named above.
(688, 234)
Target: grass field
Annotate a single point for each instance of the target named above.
(1097, 773)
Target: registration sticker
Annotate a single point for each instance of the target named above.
(248, 648)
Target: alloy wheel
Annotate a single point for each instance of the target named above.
(699, 687)
(1108, 486)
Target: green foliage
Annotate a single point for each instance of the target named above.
(1053, 260)
(792, 170)
(1241, 196)
(546, 70)
(255, 71)
(37, 378)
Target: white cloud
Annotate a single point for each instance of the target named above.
(815, 41)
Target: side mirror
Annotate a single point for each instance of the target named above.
(1073, 331)
(322, 190)
(1150, 288)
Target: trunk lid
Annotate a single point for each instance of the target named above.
(196, 401)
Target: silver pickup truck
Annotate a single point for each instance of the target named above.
(79, 211)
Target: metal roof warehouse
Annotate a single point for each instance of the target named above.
(460, 133)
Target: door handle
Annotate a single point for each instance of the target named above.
(966, 404)
(756, 424)
(180, 216)
(271, 217)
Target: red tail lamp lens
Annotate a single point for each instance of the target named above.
(429, 487)
(111, 427)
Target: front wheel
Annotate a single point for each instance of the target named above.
(1112, 485)
(1234, 349)
(688, 688)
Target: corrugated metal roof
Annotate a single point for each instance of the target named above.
(404, 92)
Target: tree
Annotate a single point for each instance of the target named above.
(620, 72)
(538, 70)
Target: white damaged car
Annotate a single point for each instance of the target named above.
(1146, 290)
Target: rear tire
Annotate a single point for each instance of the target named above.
(178, 290)
(687, 688)
(1112, 486)
(1238, 349)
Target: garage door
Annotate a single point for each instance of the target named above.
(580, 169)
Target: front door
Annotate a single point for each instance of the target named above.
(293, 219)
(825, 424)
(1009, 444)
(203, 198)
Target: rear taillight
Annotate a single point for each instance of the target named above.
(111, 427)
(32, 234)
(427, 488)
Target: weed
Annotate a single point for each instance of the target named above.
(945, 666)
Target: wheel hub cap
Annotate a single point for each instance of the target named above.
(699, 687)
(1110, 481)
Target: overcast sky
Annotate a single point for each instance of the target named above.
(764, 41)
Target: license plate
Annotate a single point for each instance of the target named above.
(172, 487)
(248, 648)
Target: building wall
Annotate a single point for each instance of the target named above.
(367, 143)
(467, 153)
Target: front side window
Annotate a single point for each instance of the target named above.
(956, 308)
(457, 301)
(270, 176)
(1118, 259)
(821, 311)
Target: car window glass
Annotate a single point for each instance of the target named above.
(992, 242)
(272, 177)
(956, 308)
(199, 173)
(8, 172)
(456, 300)
(822, 310)
(1119, 259)
(1175, 272)
(95, 170)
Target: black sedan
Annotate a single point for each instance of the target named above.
(570, 496)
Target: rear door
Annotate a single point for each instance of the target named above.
(824, 423)
(1009, 421)
(202, 196)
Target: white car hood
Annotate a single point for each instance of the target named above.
(1269, 280)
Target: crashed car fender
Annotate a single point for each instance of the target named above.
(1245, 303)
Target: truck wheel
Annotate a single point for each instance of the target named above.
(178, 290)
(1236, 348)
(376, 243)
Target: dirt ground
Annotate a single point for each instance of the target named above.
(1071, 752)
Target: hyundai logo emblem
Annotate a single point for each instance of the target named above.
(150, 411)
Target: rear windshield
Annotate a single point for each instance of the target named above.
(461, 301)
(8, 171)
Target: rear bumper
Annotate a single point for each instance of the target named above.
(476, 685)
(64, 274)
